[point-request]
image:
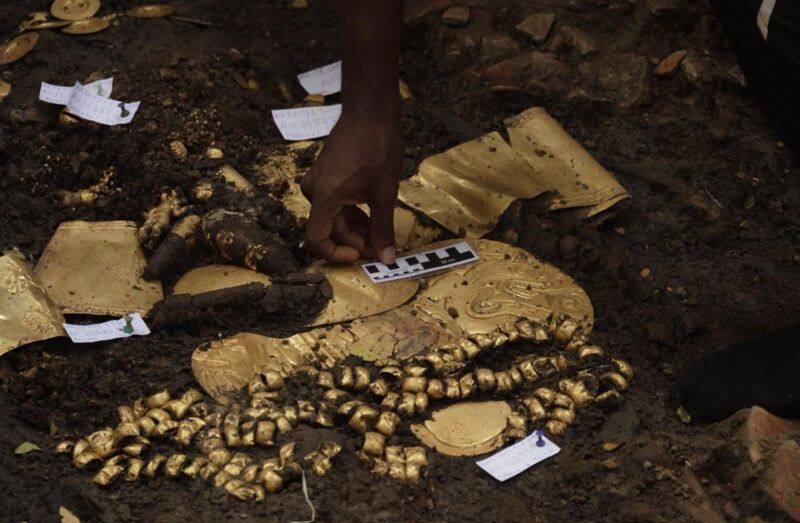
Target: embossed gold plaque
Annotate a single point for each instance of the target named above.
(74, 9)
(504, 284)
(95, 268)
(468, 188)
(26, 312)
(150, 11)
(355, 296)
(465, 429)
(87, 26)
(566, 167)
(17, 48)
(216, 277)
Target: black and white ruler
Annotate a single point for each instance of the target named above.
(415, 265)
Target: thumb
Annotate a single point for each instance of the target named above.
(381, 232)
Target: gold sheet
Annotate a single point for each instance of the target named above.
(216, 277)
(503, 285)
(95, 268)
(465, 429)
(355, 296)
(567, 167)
(26, 312)
(468, 188)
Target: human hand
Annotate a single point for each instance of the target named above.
(360, 163)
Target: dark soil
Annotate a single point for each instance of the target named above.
(713, 217)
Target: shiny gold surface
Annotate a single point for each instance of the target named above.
(26, 312)
(467, 188)
(87, 26)
(567, 168)
(356, 296)
(17, 48)
(5, 89)
(232, 177)
(74, 9)
(150, 11)
(39, 20)
(216, 277)
(465, 429)
(504, 284)
(95, 268)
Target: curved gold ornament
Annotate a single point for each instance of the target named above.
(465, 429)
(150, 11)
(73, 10)
(87, 26)
(26, 312)
(40, 20)
(217, 277)
(17, 48)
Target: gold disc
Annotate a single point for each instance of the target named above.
(74, 9)
(217, 277)
(465, 429)
(150, 11)
(87, 26)
(17, 48)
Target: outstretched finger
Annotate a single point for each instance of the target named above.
(318, 237)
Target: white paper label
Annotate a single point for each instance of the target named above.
(415, 265)
(125, 327)
(306, 123)
(764, 16)
(59, 94)
(85, 104)
(519, 457)
(326, 80)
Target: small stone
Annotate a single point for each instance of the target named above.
(645, 273)
(732, 511)
(694, 68)
(610, 446)
(620, 230)
(669, 64)
(610, 463)
(568, 247)
(750, 201)
(456, 16)
(579, 40)
(538, 26)
(498, 46)
(298, 4)
(547, 73)
(684, 416)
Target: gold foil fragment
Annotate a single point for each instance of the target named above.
(95, 268)
(87, 26)
(5, 89)
(27, 313)
(465, 429)
(232, 177)
(150, 11)
(217, 277)
(74, 9)
(214, 154)
(17, 48)
(178, 150)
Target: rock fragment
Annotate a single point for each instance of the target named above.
(538, 26)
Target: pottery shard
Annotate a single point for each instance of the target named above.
(670, 63)
(625, 79)
(456, 16)
(538, 26)
(768, 456)
(497, 46)
(547, 73)
(579, 40)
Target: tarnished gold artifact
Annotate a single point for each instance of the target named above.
(17, 48)
(95, 268)
(26, 312)
(87, 26)
(74, 9)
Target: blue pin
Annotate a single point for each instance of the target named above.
(540, 440)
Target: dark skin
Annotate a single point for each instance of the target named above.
(363, 156)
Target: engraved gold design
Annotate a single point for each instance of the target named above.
(216, 277)
(26, 312)
(95, 268)
(468, 188)
(465, 429)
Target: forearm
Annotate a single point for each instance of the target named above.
(371, 56)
